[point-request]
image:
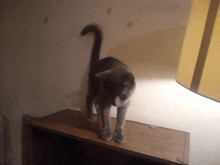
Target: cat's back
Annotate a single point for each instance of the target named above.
(109, 63)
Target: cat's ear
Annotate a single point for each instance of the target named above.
(104, 74)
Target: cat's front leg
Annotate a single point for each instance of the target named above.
(121, 115)
(106, 133)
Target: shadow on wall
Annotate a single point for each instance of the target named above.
(153, 54)
(78, 98)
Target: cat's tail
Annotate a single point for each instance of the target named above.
(95, 29)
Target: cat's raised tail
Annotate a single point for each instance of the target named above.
(96, 30)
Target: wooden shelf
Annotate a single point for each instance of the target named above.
(157, 144)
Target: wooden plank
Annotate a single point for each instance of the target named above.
(186, 151)
(160, 144)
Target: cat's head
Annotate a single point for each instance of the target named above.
(118, 85)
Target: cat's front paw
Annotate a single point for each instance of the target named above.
(106, 135)
(119, 137)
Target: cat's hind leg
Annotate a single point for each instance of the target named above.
(89, 108)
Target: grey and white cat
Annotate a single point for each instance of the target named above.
(111, 83)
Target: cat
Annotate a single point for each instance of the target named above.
(111, 83)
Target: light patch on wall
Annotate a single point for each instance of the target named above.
(171, 104)
(184, 95)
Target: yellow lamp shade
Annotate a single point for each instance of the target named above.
(199, 65)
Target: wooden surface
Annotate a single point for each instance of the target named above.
(159, 144)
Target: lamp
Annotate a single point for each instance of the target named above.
(199, 65)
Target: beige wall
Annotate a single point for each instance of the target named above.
(44, 64)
